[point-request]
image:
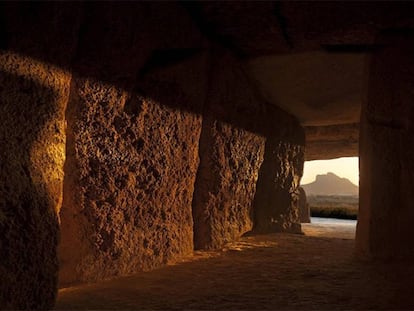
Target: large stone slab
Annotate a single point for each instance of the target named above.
(33, 97)
(231, 152)
(386, 151)
(238, 125)
(332, 141)
(275, 206)
(303, 205)
(133, 132)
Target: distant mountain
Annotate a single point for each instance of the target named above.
(330, 184)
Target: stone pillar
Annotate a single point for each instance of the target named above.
(231, 152)
(133, 130)
(34, 91)
(275, 205)
(276, 198)
(238, 125)
(303, 206)
(387, 151)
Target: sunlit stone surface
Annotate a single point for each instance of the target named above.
(134, 132)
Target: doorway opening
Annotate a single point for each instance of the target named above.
(332, 191)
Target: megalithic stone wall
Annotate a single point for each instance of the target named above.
(238, 125)
(34, 91)
(231, 152)
(386, 211)
(303, 206)
(275, 206)
(275, 202)
(109, 108)
(133, 131)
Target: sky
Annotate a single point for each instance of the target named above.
(343, 167)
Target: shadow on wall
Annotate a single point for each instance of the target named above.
(127, 52)
(29, 192)
(135, 107)
(131, 163)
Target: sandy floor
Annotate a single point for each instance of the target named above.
(278, 271)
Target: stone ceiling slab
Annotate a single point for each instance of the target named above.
(319, 88)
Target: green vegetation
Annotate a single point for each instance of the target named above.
(335, 206)
(334, 212)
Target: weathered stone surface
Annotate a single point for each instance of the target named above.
(333, 141)
(32, 156)
(386, 152)
(129, 184)
(33, 97)
(275, 205)
(133, 133)
(226, 183)
(231, 153)
(303, 206)
(136, 103)
(237, 122)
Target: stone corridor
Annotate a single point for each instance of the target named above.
(276, 271)
(134, 135)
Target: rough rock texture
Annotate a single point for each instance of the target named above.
(386, 151)
(133, 134)
(33, 96)
(31, 179)
(276, 197)
(275, 202)
(333, 141)
(129, 184)
(226, 183)
(303, 206)
(137, 103)
(231, 153)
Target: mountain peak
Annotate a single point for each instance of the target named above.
(331, 184)
(327, 175)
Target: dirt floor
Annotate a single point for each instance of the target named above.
(276, 271)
